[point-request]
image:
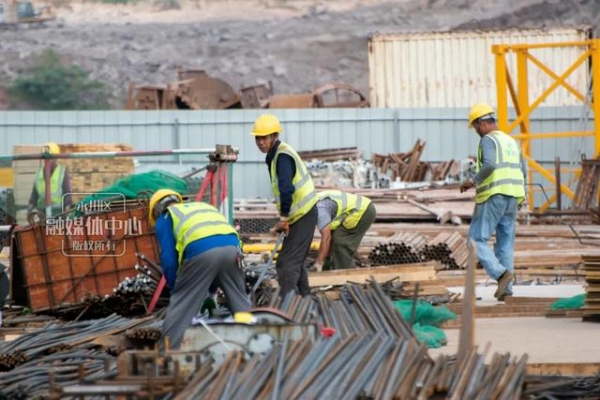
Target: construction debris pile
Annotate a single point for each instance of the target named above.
(196, 90)
(345, 167)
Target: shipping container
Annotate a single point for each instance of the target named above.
(457, 69)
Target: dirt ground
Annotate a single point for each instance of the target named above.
(295, 44)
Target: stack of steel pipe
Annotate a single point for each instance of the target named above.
(403, 248)
(448, 247)
(255, 225)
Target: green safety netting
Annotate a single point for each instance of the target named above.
(427, 320)
(131, 185)
(432, 336)
(570, 303)
(425, 313)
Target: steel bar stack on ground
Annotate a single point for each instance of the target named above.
(66, 351)
(372, 353)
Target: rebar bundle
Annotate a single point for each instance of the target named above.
(448, 247)
(371, 354)
(402, 248)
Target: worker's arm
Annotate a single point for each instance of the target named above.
(325, 245)
(168, 253)
(66, 190)
(286, 169)
(488, 162)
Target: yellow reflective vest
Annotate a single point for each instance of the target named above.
(350, 208)
(193, 221)
(507, 178)
(56, 184)
(304, 197)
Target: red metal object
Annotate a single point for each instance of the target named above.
(327, 332)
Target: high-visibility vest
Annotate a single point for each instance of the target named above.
(350, 208)
(304, 197)
(193, 221)
(507, 178)
(56, 184)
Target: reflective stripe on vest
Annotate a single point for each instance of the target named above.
(304, 197)
(507, 177)
(193, 221)
(350, 208)
(56, 184)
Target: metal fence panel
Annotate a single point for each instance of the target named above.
(372, 130)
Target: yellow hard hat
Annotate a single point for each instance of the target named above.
(160, 198)
(265, 125)
(478, 111)
(52, 148)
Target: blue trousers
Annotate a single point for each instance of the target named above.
(498, 214)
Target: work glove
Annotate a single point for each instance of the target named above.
(318, 266)
(282, 226)
(466, 185)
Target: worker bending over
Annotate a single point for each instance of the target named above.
(197, 247)
(343, 220)
(500, 188)
(60, 185)
(296, 200)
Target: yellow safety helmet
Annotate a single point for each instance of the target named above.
(266, 125)
(51, 148)
(158, 202)
(478, 111)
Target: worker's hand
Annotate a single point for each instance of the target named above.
(466, 185)
(282, 226)
(318, 266)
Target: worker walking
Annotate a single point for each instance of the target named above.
(296, 200)
(500, 188)
(343, 220)
(60, 185)
(197, 247)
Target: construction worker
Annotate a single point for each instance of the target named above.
(60, 185)
(198, 247)
(343, 219)
(296, 201)
(500, 188)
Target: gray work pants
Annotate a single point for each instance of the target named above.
(291, 271)
(345, 242)
(219, 265)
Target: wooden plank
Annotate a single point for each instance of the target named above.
(563, 369)
(405, 273)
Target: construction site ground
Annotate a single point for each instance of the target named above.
(545, 340)
(295, 44)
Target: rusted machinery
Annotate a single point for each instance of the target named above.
(330, 95)
(13, 12)
(195, 90)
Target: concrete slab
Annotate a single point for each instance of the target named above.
(486, 293)
(545, 340)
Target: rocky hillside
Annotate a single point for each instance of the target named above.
(296, 44)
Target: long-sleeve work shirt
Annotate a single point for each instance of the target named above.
(286, 170)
